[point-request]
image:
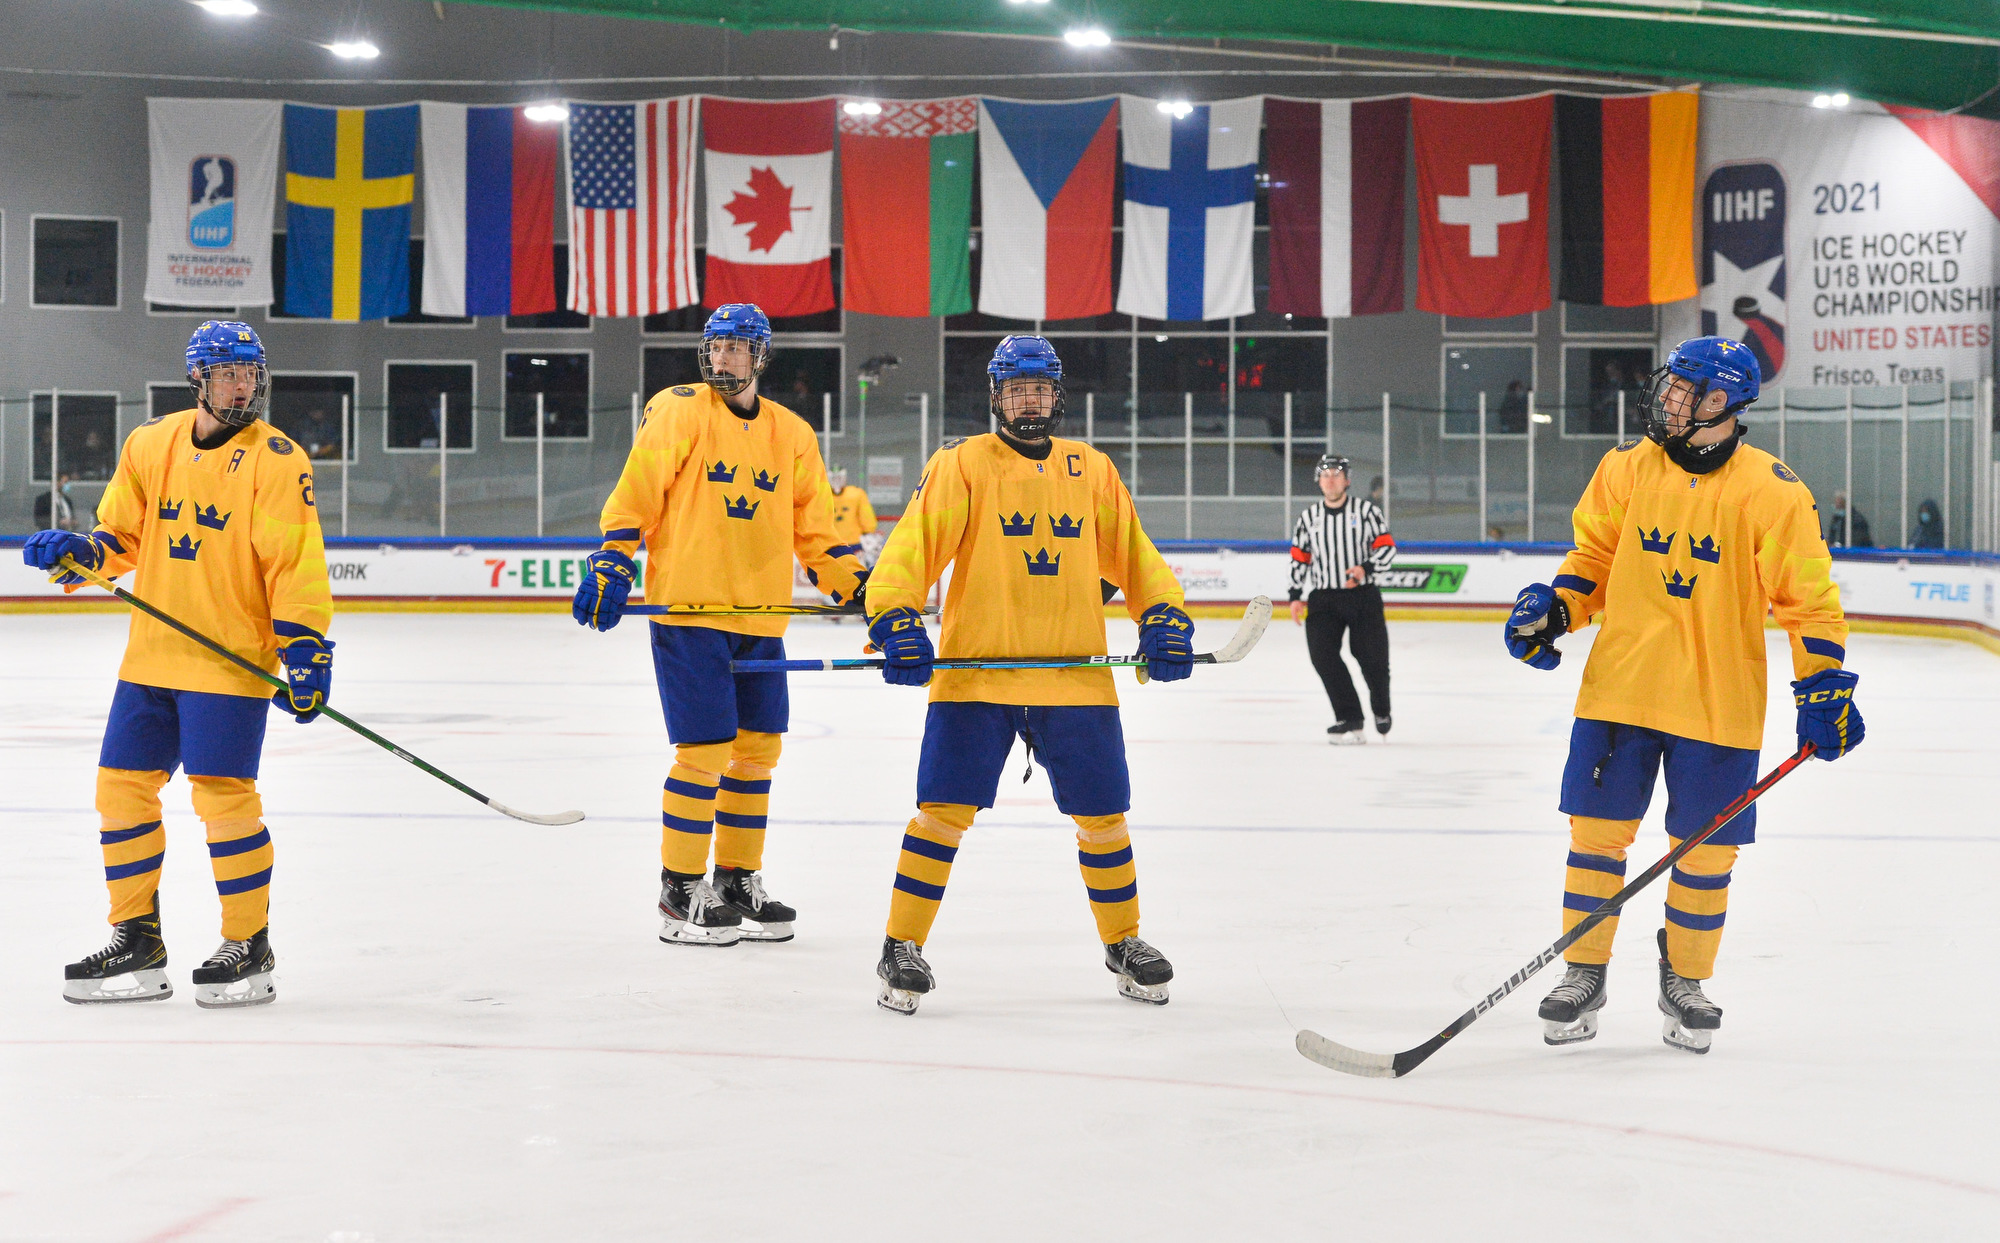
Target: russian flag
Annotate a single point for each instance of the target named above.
(1046, 172)
(489, 211)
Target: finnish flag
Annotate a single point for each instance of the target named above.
(1190, 208)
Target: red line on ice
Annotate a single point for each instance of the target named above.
(181, 1230)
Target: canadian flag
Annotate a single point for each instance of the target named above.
(769, 168)
(1482, 205)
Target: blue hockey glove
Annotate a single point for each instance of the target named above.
(308, 661)
(1828, 718)
(1166, 640)
(900, 636)
(45, 550)
(1538, 620)
(600, 597)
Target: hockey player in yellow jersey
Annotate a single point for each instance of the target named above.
(724, 488)
(853, 517)
(1683, 542)
(1031, 525)
(211, 510)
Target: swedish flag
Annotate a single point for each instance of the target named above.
(350, 174)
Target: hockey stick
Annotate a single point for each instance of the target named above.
(1255, 618)
(745, 610)
(1333, 1054)
(561, 817)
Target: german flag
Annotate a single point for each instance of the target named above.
(1627, 197)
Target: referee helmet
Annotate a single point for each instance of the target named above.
(1330, 461)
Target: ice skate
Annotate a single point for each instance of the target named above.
(692, 914)
(1569, 1012)
(238, 973)
(1142, 971)
(1346, 733)
(1692, 1019)
(742, 891)
(906, 977)
(131, 968)
(1382, 724)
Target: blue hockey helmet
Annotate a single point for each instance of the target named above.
(736, 321)
(228, 342)
(1026, 357)
(1678, 392)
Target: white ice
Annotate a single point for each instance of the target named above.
(477, 1035)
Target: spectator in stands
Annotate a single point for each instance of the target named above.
(1513, 419)
(1929, 531)
(1837, 531)
(1375, 492)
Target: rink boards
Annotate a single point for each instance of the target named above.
(1952, 590)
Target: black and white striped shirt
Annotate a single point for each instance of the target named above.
(1327, 542)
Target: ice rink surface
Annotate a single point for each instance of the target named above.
(477, 1035)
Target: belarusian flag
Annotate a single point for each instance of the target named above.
(906, 205)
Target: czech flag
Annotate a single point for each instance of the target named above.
(489, 211)
(1627, 197)
(1046, 172)
(350, 174)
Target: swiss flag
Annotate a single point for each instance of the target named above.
(770, 204)
(1482, 205)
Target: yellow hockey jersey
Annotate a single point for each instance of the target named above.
(227, 540)
(853, 516)
(723, 503)
(1681, 569)
(1029, 542)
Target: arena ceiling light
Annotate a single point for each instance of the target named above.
(1022, 2)
(546, 114)
(228, 8)
(1087, 36)
(1837, 99)
(354, 49)
(861, 108)
(1175, 108)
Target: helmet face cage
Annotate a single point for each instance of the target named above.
(1661, 385)
(224, 343)
(1025, 357)
(1030, 426)
(235, 416)
(730, 385)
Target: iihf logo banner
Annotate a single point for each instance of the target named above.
(1848, 247)
(215, 177)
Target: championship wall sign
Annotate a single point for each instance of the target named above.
(1847, 247)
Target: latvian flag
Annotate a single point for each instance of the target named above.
(1045, 178)
(1336, 199)
(631, 213)
(489, 211)
(1627, 197)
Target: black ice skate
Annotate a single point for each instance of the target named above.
(1382, 724)
(131, 968)
(1346, 733)
(692, 914)
(1142, 971)
(906, 977)
(1692, 1019)
(1569, 1012)
(742, 891)
(238, 973)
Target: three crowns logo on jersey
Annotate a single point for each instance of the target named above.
(1706, 549)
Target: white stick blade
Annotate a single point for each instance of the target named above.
(1255, 618)
(1337, 1056)
(559, 818)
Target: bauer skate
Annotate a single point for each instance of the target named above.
(131, 968)
(906, 977)
(1142, 971)
(1692, 1019)
(692, 914)
(1569, 1012)
(1346, 733)
(238, 973)
(742, 891)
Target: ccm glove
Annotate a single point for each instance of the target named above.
(905, 646)
(308, 661)
(45, 550)
(1538, 620)
(1828, 718)
(600, 597)
(1166, 640)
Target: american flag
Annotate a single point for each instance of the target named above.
(631, 225)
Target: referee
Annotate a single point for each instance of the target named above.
(1338, 546)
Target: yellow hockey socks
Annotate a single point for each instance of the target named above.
(1596, 871)
(930, 843)
(1697, 900)
(687, 806)
(1104, 853)
(239, 851)
(743, 801)
(128, 808)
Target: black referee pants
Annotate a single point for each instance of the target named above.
(1355, 612)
